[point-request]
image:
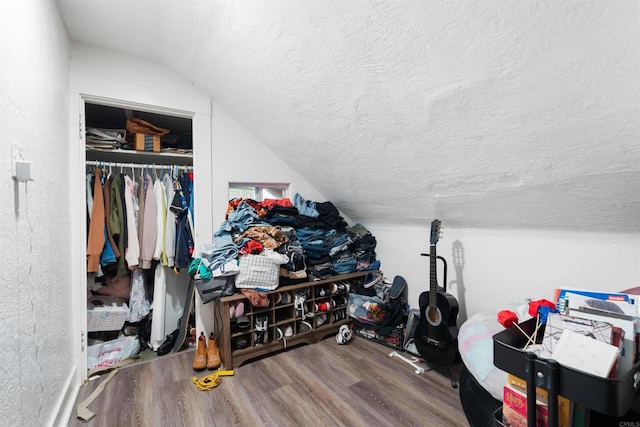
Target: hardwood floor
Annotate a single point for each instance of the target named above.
(322, 384)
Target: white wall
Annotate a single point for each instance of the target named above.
(503, 266)
(36, 342)
(238, 156)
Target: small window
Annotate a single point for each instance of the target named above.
(257, 192)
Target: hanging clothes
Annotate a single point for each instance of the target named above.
(89, 187)
(139, 305)
(95, 243)
(132, 253)
(117, 220)
(107, 204)
(150, 231)
(158, 193)
(184, 234)
(144, 220)
(170, 224)
(159, 298)
(141, 202)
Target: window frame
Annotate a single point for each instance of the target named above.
(259, 189)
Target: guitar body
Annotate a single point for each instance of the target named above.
(438, 343)
(436, 335)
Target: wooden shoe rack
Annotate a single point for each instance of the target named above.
(324, 312)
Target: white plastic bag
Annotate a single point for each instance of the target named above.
(109, 353)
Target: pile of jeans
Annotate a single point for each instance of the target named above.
(223, 248)
(316, 234)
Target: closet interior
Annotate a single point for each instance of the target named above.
(139, 192)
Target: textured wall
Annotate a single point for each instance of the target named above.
(488, 270)
(490, 114)
(35, 286)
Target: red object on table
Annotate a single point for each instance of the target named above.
(507, 318)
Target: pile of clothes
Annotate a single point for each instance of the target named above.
(315, 238)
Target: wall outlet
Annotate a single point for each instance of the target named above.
(17, 153)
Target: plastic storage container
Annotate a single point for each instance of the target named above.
(610, 396)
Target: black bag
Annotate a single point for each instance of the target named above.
(216, 287)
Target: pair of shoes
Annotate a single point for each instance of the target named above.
(303, 327)
(372, 279)
(299, 303)
(261, 329)
(339, 315)
(285, 298)
(286, 332)
(321, 319)
(168, 344)
(207, 356)
(240, 342)
(243, 322)
(236, 309)
(340, 288)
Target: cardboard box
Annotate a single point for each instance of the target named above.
(145, 142)
(565, 406)
(517, 400)
(512, 418)
(106, 313)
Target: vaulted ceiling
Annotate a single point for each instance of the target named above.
(482, 113)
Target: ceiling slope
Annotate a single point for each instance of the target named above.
(485, 114)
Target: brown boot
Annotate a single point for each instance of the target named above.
(200, 359)
(213, 355)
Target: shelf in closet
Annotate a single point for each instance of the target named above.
(138, 157)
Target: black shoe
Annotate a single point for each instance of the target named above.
(167, 345)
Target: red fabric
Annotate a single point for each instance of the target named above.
(252, 247)
(283, 203)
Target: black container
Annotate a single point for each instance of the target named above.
(610, 396)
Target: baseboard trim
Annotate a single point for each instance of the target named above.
(64, 405)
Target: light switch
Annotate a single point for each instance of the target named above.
(23, 171)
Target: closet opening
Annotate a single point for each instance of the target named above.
(139, 166)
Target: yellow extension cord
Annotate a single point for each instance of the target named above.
(212, 380)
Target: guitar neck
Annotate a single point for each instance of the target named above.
(433, 277)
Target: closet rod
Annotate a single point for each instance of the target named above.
(137, 165)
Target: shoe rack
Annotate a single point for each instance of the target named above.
(303, 313)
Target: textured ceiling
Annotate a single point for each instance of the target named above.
(482, 113)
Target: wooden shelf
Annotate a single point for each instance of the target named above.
(138, 157)
(281, 315)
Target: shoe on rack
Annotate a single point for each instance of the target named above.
(243, 322)
(213, 354)
(372, 279)
(288, 331)
(321, 319)
(168, 344)
(303, 327)
(240, 342)
(239, 309)
(200, 358)
(261, 329)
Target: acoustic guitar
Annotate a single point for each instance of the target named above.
(436, 335)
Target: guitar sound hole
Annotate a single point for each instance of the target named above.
(434, 317)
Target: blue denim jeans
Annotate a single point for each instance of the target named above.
(305, 207)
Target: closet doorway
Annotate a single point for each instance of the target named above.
(108, 146)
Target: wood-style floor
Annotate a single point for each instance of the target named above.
(323, 384)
